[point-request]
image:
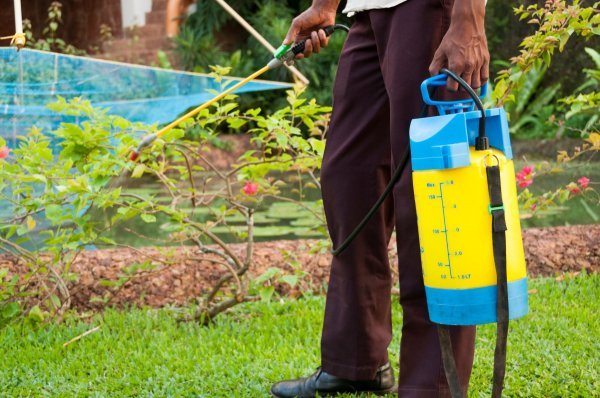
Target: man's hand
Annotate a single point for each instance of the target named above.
(464, 49)
(307, 26)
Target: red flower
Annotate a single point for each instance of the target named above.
(525, 177)
(524, 183)
(250, 188)
(4, 151)
(533, 207)
(584, 182)
(527, 170)
(574, 189)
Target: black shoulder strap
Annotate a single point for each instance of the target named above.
(499, 247)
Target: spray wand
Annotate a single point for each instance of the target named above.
(285, 54)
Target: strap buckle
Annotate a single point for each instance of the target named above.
(492, 209)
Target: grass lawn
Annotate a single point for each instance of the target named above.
(554, 352)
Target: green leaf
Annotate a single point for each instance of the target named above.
(148, 218)
(235, 123)
(268, 274)
(121, 123)
(291, 280)
(9, 311)
(266, 293)
(138, 171)
(54, 212)
(36, 314)
(55, 301)
(106, 240)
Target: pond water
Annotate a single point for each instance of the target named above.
(284, 220)
(272, 219)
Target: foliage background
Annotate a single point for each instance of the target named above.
(210, 24)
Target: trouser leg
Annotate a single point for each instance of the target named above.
(375, 96)
(356, 168)
(408, 38)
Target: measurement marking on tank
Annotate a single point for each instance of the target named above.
(445, 230)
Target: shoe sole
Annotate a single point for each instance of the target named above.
(379, 393)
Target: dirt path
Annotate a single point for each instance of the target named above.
(178, 275)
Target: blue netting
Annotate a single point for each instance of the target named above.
(31, 79)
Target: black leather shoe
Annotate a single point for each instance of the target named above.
(328, 385)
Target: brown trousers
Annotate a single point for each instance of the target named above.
(376, 94)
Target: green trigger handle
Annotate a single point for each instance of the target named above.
(287, 52)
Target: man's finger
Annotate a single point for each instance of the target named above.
(468, 71)
(323, 38)
(436, 64)
(458, 68)
(468, 78)
(316, 42)
(451, 85)
(476, 79)
(308, 48)
(484, 73)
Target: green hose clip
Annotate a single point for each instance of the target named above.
(280, 52)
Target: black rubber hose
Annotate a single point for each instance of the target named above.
(388, 189)
(482, 142)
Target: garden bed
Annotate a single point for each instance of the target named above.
(177, 276)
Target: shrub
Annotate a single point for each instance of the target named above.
(48, 223)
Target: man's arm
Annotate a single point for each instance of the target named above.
(464, 49)
(307, 25)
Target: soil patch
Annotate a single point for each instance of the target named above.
(177, 276)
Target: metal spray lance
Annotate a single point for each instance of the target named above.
(285, 54)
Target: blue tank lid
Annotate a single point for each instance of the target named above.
(442, 142)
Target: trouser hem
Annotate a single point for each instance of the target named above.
(354, 373)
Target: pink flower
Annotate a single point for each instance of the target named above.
(533, 207)
(250, 188)
(584, 182)
(527, 170)
(524, 183)
(4, 152)
(525, 177)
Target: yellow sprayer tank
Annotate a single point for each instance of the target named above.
(454, 214)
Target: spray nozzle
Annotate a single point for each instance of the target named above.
(134, 155)
(146, 141)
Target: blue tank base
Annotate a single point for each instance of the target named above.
(475, 306)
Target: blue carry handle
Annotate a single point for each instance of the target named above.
(446, 107)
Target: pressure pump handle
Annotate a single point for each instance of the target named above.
(482, 141)
(440, 81)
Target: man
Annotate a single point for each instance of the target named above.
(392, 47)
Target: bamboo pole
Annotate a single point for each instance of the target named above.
(260, 38)
(18, 18)
(19, 38)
